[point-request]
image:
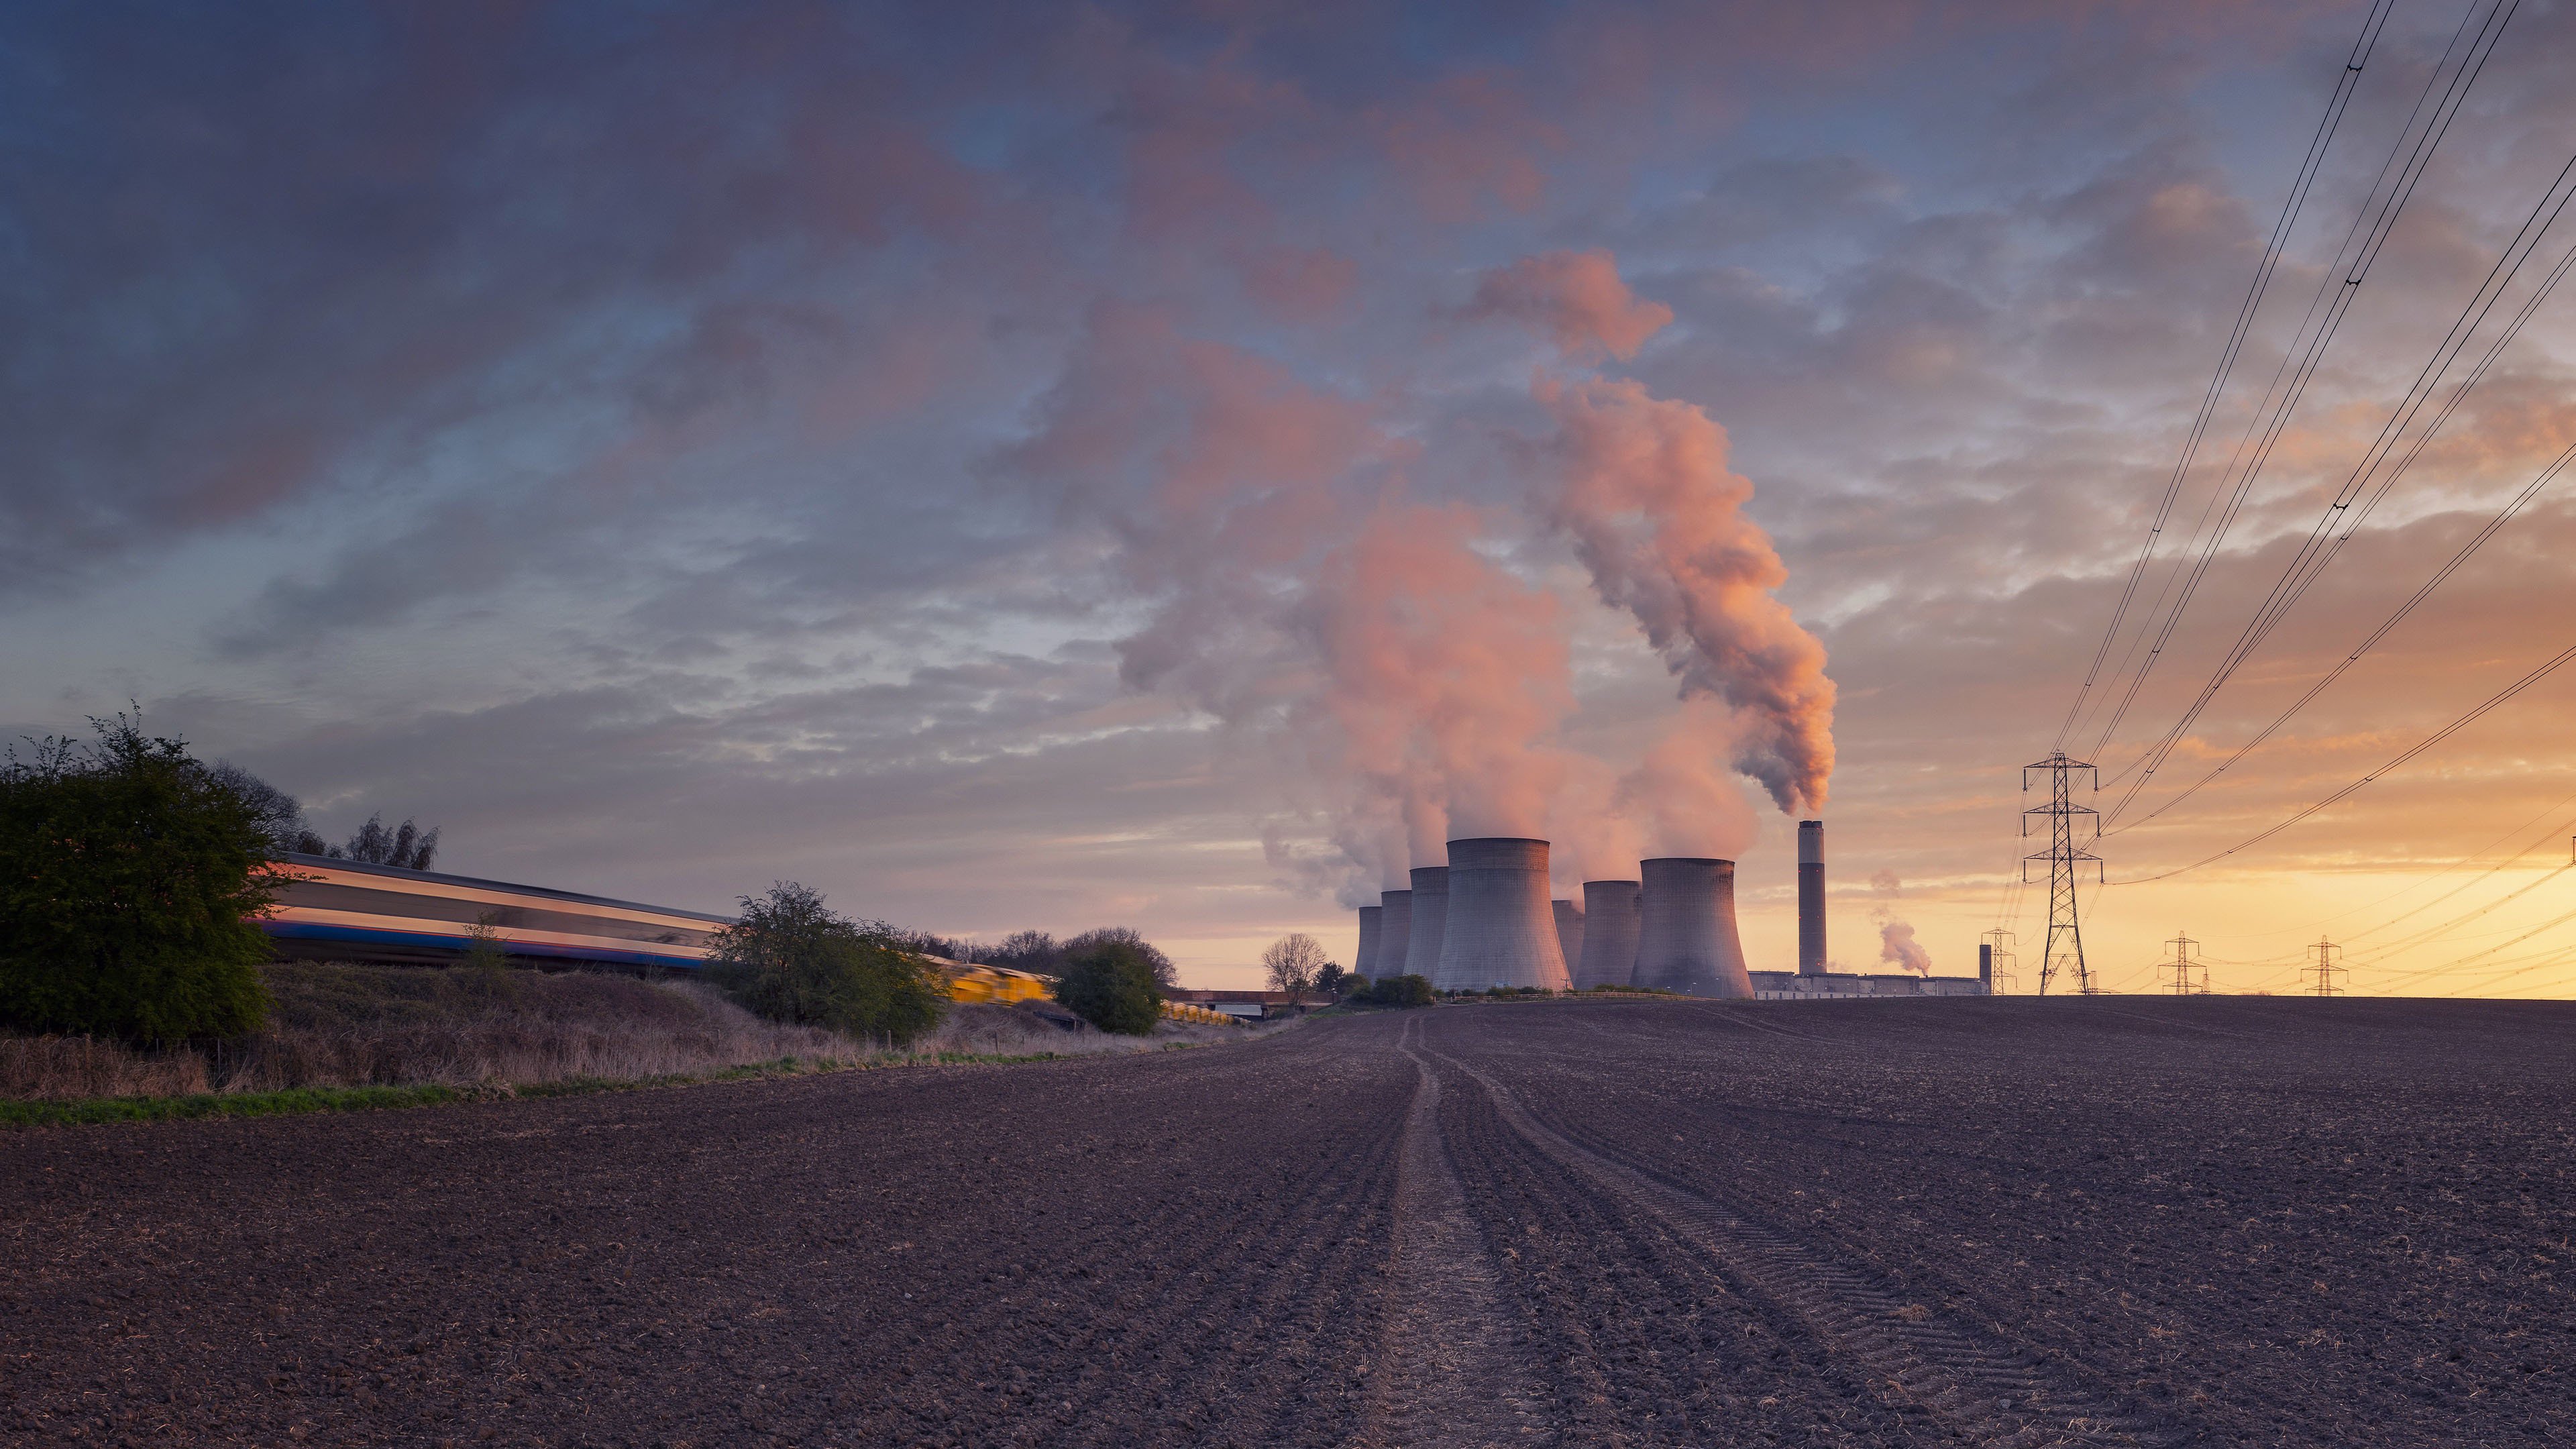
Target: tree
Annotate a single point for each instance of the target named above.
(1400, 991)
(1110, 983)
(1035, 952)
(406, 848)
(129, 877)
(791, 958)
(1333, 980)
(1166, 975)
(1292, 962)
(281, 818)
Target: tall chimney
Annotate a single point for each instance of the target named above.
(1500, 931)
(1569, 934)
(1394, 931)
(1986, 966)
(1811, 898)
(1686, 939)
(1364, 960)
(1609, 935)
(1430, 917)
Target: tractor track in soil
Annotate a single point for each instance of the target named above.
(1986, 1392)
(1633, 1223)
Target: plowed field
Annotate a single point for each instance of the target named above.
(1938, 1222)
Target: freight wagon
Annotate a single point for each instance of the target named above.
(349, 910)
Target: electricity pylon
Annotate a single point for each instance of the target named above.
(2065, 855)
(2324, 970)
(2190, 978)
(1998, 943)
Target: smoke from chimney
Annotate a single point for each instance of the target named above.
(1400, 657)
(1896, 943)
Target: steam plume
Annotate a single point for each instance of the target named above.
(1641, 486)
(1896, 941)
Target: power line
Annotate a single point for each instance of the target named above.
(2520, 500)
(2309, 166)
(2334, 298)
(2323, 543)
(2454, 727)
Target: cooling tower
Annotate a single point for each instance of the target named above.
(1430, 915)
(1811, 898)
(1569, 933)
(1364, 960)
(1686, 938)
(1609, 935)
(1394, 930)
(1500, 931)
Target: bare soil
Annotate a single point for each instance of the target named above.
(2217, 1221)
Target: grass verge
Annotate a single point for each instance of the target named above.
(294, 1100)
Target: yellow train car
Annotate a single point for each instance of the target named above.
(997, 984)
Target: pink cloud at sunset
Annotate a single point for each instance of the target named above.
(1188, 462)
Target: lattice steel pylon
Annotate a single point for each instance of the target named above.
(2190, 977)
(2323, 969)
(1999, 951)
(2065, 855)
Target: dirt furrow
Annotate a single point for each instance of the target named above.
(1984, 1391)
(1448, 1373)
(1647, 1340)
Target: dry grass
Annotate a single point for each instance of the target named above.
(338, 1025)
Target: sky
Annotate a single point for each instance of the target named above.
(1175, 465)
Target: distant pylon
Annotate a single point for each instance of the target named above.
(1999, 943)
(2324, 969)
(2187, 977)
(2065, 855)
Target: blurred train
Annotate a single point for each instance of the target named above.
(351, 911)
(348, 910)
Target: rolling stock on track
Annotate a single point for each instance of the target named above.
(348, 910)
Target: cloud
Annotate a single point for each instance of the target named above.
(1574, 299)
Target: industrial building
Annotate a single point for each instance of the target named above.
(1484, 920)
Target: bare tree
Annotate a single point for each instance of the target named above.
(1292, 962)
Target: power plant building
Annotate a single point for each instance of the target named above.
(1811, 898)
(1485, 920)
(1430, 919)
(1500, 929)
(1609, 935)
(1394, 933)
(1686, 938)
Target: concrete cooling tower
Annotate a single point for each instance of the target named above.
(1569, 933)
(1609, 935)
(1686, 939)
(1430, 915)
(1811, 898)
(1501, 930)
(1364, 960)
(1394, 933)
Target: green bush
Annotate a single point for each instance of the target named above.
(128, 876)
(1399, 991)
(790, 958)
(1111, 984)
